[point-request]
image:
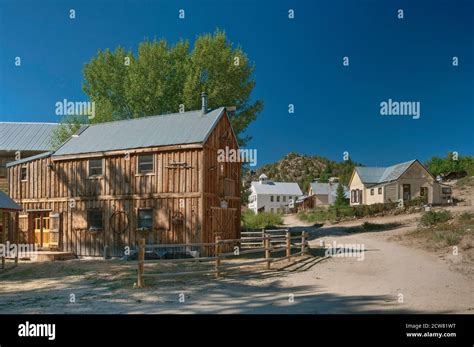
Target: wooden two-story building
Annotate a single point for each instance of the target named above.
(21, 140)
(159, 177)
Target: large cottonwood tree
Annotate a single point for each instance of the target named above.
(161, 78)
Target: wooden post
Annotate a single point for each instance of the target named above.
(16, 229)
(4, 236)
(217, 252)
(288, 245)
(267, 250)
(263, 235)
(303, 242)
(141, 262)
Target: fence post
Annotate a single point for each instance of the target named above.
(16, 222)
(4, 235)
(263, 235)
(141, 262)
(288, 245)
(303, 242)
(217, 251)
(267, 250)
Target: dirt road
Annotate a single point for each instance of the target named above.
(392, 278)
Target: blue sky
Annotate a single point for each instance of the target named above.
(298, 61)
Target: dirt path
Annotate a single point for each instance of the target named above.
(332, 285)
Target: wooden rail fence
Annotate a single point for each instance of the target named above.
(286, 243)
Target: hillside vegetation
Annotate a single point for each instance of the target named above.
(303, 169)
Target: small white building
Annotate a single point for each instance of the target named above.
(273, 197)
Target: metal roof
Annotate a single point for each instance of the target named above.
(170, 129)
(28, 159)
(16, 136)
(277, 188)
(376, 175)
(6, 203)
(327, 188)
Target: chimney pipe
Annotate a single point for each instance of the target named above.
(204, 102)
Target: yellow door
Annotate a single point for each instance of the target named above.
(42, 231)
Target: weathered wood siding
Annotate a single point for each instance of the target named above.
(222, 180)
(187, 182)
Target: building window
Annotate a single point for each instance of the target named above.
(95, 220)
(446, 190)
(372, 191)
(271, 210)
(380, 190)
(145, 163)
(145, 219)
(278, 198)
(23, 173)
(95, 167)
(284, 198)
(271, 198)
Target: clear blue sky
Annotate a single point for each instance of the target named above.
(297, 61)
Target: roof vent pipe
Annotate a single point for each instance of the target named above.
(204, 102)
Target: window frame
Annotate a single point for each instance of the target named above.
(372, 191)
(146, 172)
(101, 168)
(446, 188)
(21, 173)
(379, 190)
(139, 219)
(89, 219)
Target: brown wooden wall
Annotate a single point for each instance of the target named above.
(193, 188)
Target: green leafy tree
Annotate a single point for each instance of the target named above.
(340, 197)
(162, 77)
(450, 163)
(68, 126)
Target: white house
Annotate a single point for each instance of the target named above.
(274, 197)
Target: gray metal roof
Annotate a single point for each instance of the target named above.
(277, 188)
(170, 129)
(327, 188)
(376, 175)
(6, 203)
(26, 136)
(28, 159)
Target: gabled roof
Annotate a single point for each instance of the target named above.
(277, 188)
(170, 129)
(17, 136)
(377, 175)
(6, 203)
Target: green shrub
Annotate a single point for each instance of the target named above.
(466, 216)
(260, 220)
(432, 217)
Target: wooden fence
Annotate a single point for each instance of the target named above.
(287, 243)
(277, 236)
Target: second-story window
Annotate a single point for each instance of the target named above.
(145, 163)
(95, 167)
(271, 198)
(278, 198)
(23, 173)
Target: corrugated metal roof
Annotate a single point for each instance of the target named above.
(376, 175)
(26, 136)
(171, 129)
(6, 203)
(326, 189)
(28, 159)
(282, 188)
